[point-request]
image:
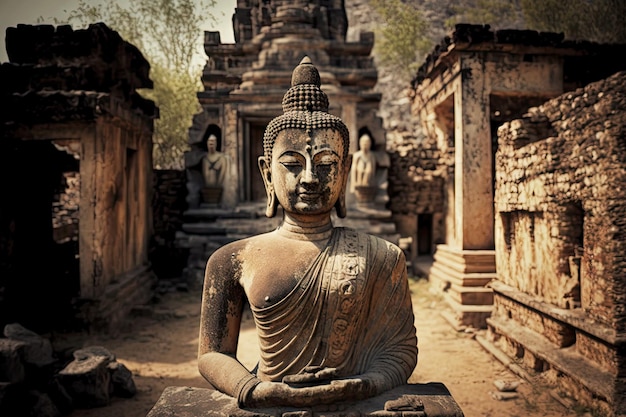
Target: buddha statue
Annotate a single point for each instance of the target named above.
(214, 164)
(214, 167)
(331, 305)
(363, 172)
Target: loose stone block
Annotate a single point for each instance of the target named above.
(37, 350)
(11, 365)
(88, 381)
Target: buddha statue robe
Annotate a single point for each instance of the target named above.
(351, 311)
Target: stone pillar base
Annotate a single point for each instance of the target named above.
(461, 277)
(432, 400)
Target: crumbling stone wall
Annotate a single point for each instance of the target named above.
(80, 136)
(560, 238)
(560, 194)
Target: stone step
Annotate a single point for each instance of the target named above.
(461, 316)
(444, 273)
(568, 360)
(466, 261)
(471, 295)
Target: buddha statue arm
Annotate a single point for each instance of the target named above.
(223, 170)
(394, 346)
(222, 307)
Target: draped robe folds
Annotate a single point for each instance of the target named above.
(351, 311)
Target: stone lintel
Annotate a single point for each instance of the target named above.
(434, 397)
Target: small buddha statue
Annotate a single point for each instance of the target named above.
(363, 172)
(214, 167)
(331, 305)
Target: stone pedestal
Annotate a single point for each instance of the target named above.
(211, 195)
(415, 400)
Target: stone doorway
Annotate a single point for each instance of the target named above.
(424, 234)
(39, 252)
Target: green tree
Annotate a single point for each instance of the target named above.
(402, 40)
(500, 14)
(601, 21)
(168, 34)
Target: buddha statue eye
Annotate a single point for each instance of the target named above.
(291, 162)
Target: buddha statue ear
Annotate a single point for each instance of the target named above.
(340, 205)
(272, 201)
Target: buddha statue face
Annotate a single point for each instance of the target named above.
(211, 143)
(305, 160)
(308, 170)
(365, 143)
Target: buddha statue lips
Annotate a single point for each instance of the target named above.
(331, 305)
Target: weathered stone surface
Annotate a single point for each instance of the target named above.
(88, 381)
(122, 380)
(11, 360)
(37, 349)
(417, 400)
(560, 202)
(93, 351)
(76, 90)
(42, 405)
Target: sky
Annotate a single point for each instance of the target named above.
(14, 12)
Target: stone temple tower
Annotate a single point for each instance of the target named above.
(244, 83)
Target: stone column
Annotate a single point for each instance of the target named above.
(473, 182)
(466, 263)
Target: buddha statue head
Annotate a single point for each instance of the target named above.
(314, 146)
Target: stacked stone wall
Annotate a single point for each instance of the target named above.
(65, 213)
(561, 195)
(415, 177)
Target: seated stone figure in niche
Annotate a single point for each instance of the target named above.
(331, 305)
(214, 167)
(214, 164)
(364, 164)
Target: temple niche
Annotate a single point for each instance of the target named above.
(76, 172)
(244, 84)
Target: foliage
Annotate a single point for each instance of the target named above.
(595, 20)
(402, 40)
(503, 14)
(168, 34)
(601, 21)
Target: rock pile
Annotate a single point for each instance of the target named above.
(36, 381)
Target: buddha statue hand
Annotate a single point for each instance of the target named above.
(326, 391)
(311, 375)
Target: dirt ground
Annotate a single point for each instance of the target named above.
(160, 350)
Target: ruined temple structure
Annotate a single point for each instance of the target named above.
(471, 83)
(560, 239)
(76, 175)
(244, 84)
